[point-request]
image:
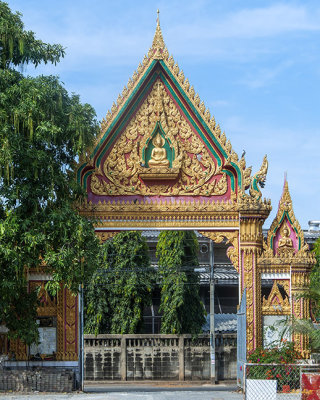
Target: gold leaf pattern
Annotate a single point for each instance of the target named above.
(198, 175)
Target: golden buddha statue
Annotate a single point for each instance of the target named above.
(159, 153)
(285, 240)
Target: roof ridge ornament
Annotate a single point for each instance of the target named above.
(158, 44)
(259, 178)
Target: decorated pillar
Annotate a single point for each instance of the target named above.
(253, 211)
(250, 250)
(67, 326)
(284, 271)
(58, 340)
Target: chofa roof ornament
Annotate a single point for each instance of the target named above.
(259, 179)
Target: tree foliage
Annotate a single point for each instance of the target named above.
(314, 293)
(121, 288)
(182, 309)
(42, 131)
(97, 294)
(307, 327)
(19, 46)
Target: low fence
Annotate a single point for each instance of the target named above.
(282, 381)
(40, 380)
(157, 357)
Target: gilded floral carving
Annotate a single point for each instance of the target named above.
(67, 314)
(275, 304)
(199, 174)
(232, 238)
(105, 235)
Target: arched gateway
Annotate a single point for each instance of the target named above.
(162, 162)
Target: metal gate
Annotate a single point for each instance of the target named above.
(241, 339)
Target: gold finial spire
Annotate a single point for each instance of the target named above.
(158, 42)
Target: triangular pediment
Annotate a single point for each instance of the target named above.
(285, 247)
(192, 158)
(276, 303)
(285, 235)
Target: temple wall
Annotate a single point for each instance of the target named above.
(41, 379)
(157, 357)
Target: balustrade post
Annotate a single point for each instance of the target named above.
(123, 358)
(181, 358)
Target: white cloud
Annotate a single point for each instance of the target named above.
(219, 103)
(268, 21)
(261, 77)
(194, 30)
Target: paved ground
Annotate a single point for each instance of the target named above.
(137, 392)
(163, 395)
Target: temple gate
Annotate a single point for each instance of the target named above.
(162, 162)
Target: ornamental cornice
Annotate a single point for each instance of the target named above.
(273, 269)
(130, 223)
(248, 204)
(302, 262)
(190, 209)
(189, 214)
(137, 206)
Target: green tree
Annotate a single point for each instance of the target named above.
(307, 327)
(98, 292)
(19, 46)
(121, 288)
(42, 132)
(314, 293)
(181, 307)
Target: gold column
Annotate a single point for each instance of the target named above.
(250, 250)
(19, 349)
(300, 281)
(67, 326)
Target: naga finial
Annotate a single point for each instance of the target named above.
(259, 178)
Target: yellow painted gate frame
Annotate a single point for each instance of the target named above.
(208, 196)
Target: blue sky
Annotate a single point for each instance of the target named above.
(256, 65)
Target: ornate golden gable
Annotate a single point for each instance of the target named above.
(285, 257)
(285, 216)
(275, 304)
(196, 166)
(159, 51)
